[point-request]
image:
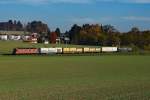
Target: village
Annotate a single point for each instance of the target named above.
(33, 32)
(29, 37)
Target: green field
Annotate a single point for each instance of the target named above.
(74, 77)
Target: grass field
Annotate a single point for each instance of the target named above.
(74, 77)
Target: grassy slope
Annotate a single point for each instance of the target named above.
(74, 78)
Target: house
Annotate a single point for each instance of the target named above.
(64, 39)
(46, 42)
(25, 37)
(3, 37)
(58, 40)
(19, 35)
(31, 38)
(12, 35)
(15, 37)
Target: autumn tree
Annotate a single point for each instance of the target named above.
(53, 37)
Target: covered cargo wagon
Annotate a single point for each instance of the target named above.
(27, 51)
(79, 50)
(59, 50)
(66, 50)
(72, 50)
(69, 50)
(92, 50)
(125, 49)
(109, 49)
(86, 50)
(48, 50)
(98, 50)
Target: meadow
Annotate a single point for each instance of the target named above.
(75, 77)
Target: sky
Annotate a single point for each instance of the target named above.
(123, 14)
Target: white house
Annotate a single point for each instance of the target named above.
(30, 38)
(12, 35)
(26, 37)
(15, 37)
(3, 37)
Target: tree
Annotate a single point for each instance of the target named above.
(74, 34)
(57, 31)
(19, 26)
(11, 26)
(145, 40)
(87, 34)
(102, 39)
(109, 29)
(37, 27)
(115, 39)
(53, 37)
(135, 30)
(90, 34)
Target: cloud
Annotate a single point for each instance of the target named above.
(71, 1)
(136, 18)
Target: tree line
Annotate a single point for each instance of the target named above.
(94, 34)
(108, 35)
(11, 26)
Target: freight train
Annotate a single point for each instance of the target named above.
(73, 50)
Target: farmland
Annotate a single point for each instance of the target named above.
(74, 77)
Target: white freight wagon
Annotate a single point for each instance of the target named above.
(98, 50)
(59, 50)
(109, 49)
(48, 50)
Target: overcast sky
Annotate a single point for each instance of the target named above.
(123, 14)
